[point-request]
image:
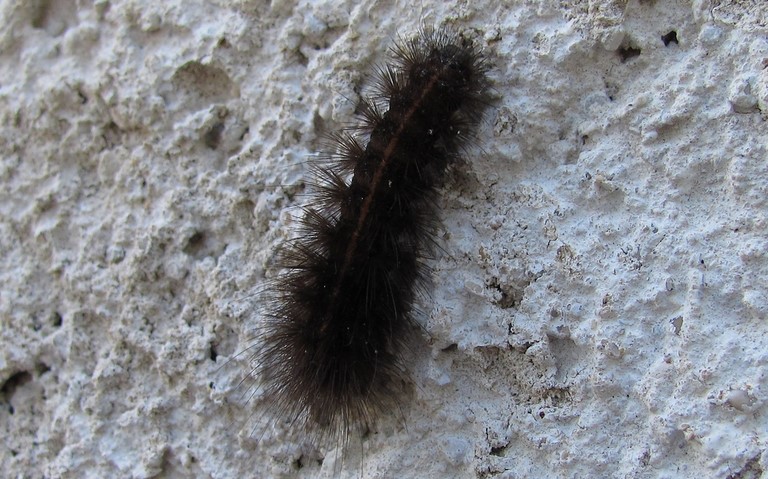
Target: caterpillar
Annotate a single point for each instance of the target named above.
(341, 313)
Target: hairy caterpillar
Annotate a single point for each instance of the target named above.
(341, 312)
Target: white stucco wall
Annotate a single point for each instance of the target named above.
(599, 310)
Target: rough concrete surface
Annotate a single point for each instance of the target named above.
(599, 308)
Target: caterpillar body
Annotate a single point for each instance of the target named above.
(342, 311)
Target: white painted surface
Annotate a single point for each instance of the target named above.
(604, 274)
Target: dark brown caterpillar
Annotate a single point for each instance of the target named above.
(342, 310)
